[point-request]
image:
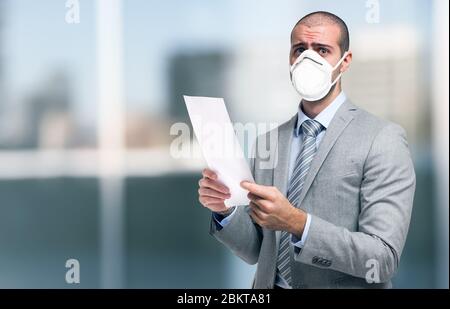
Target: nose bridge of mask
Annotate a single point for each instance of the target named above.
(314, 57)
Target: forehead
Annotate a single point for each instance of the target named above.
(326, 33)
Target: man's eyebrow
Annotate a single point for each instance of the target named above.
(322, 45)
(298, 45)
(314, 44)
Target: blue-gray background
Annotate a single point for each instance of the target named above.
(143, 227)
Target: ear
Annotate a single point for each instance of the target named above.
(346, 62)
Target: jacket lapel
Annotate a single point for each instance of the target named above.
(337, 125)
(282, 154)
(281, 169)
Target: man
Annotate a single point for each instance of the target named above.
(334, 210)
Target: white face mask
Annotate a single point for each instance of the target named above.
(311, 75)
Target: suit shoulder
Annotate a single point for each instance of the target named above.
(376, 125)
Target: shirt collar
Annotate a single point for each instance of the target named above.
(325, 116)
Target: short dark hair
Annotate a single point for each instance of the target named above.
(317, 18)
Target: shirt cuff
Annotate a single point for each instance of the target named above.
(299, 243)
(221, 220)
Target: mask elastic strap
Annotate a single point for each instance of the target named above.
(340, 61)
(335, 67)
(337, 78)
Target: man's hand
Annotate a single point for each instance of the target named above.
(270, 209)
(212, 194)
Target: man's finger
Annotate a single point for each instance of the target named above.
(253, 197)
(212, 184)
(207, 200)
(262, 204)
(217, 206)
(257, 213)
(213, 193)
(254, 217)
(262, 191)
(209, 174)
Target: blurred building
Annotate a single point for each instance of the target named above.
(143, 130)
(4, 121)
(2, 74)
(2, 69)
(259, 88)
(49, 123)
(387, 79)
(198, 74)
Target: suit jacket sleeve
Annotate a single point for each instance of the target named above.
(386, 198)
(241, 235)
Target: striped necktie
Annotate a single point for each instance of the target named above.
(310, 129)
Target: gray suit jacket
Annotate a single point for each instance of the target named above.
(359, 192)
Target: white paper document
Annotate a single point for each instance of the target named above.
(220, 146)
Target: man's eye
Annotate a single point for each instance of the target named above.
(323, 51)
(299, 50)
